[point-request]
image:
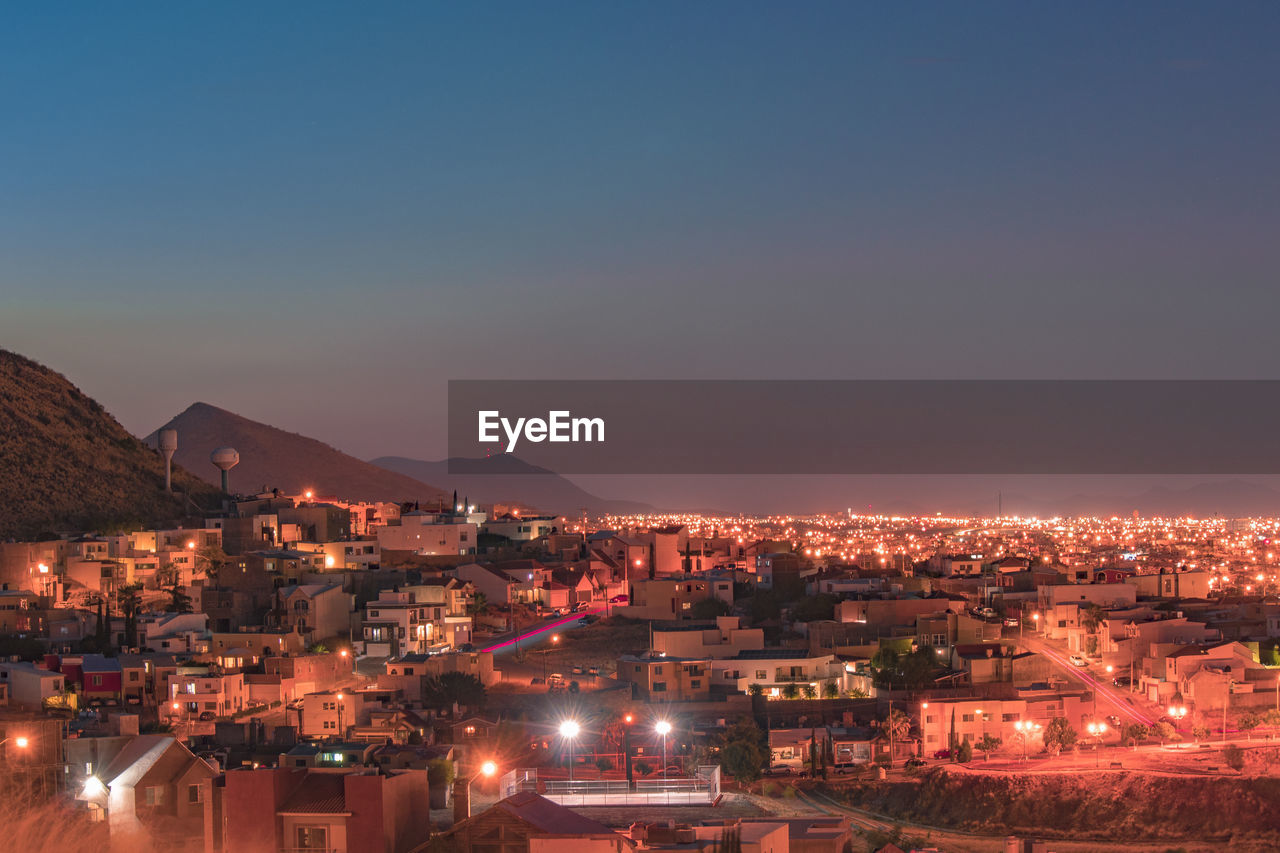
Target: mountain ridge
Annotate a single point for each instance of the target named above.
(271, 457)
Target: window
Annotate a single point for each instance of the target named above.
(695, 683)
(659, 687)
(966, 718)
(193, 793)
(760, 674)
(154, 795)
(312, 837)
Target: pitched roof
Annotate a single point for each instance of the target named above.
(546, 816)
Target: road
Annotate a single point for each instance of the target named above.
(540, 633)
(1108, 697)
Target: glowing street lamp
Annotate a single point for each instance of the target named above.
(569, 730)
(663, 728)
(1097, 729)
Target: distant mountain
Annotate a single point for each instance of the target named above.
(1226, 498)
(512, 480)
(272, 458)
(65, 464)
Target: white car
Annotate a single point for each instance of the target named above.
(1076, 660)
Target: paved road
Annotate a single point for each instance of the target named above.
(538, 634)
(1107, 696)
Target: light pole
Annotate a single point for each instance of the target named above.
(1176, 713)
(1097, 729)
(569, 730)
(487, 770)
(1026, 728)
(341, 737)
(555, 639)
(663, 728)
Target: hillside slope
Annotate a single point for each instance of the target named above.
(273, 458)
(65, 464)
(511, 480)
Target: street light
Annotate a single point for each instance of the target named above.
(663, 728)
(488, 769)
(569, 730)
(1097, 729)
(341, 736)
(1026, 728)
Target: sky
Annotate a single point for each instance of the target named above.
(316, 214)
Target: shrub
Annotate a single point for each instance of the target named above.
(965, 753)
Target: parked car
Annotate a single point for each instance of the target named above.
(1114, 722)
(1076, 660)
(537, 679)
(1121, 681)
(207, 716)
(593, 671)
(619, 599)
(577, 670)
(582, 605)
(942, 753)
(555, 678)
(988, 613)
(916, 762)
(779, 770)
(845, 766)
(1011, 622)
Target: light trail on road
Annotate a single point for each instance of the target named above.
(551, 626)
(1105, 692)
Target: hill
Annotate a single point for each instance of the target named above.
(65, 464)
(273, 458)
(508, 479)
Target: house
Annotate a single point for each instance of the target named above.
(528, 823)
(29, 685)
(781, 673)
(330, 713)
(317, 610)
(664, 678)
(723, 638)
(153, 790)
(202, 690)
(359, 811)
(673, 596)
(174, 633)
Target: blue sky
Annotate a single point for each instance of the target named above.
(315, 214)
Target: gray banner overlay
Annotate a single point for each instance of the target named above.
(868, 426)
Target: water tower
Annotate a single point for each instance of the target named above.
(225, 458)
(168, 447)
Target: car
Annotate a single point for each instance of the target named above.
(845, 766)
(555, 678)
(1121, 681)
(207, 716)
(577, 670)
(1011, 622)
(582, 605)
(779, 770)
(916, 762)
(988, 613)
(1113, 721)
(620, 599)
(595, 670)
(537, 679)
(1076, 660)
(942, 753)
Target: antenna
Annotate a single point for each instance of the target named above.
(225, 458)
(168, 446)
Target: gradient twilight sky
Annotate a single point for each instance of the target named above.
(314, 214)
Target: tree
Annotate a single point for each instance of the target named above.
(129, 600)
(830, 691)
(1165, 732)
(179, 601)
(102, 634)
(1249, 721)
(1091, 620)
(965, 753)
(1059, 735)
(1233, 757)
(709, 608)
(755, 689)
(897, 725)
(1200, 732)
(1135, 733)
(211, 560)
(479, 604)
(989, 744)
(743, 750)
(790, 690)
(815, 608)
(809, 691)
(730, 841)
(453, 688)
(440, 773)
